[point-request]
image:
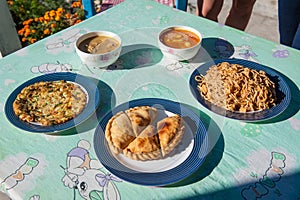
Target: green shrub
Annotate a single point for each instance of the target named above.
(38, 19)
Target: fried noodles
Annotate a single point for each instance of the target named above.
(237, 88)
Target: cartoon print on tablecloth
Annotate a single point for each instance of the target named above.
(7, 69)
(12, 180)
(152, 90)
(280, 52)
(267, 183)
(180, 69)
(161, 20)
(35, 197)
(251, 130)
(295, 123)
(244, 52)
(47, 68)
(65, 42)
(83, 173)
(176, 65)
(8, 81)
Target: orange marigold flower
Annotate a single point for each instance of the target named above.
(33, 31)
(53, 25)
(36, 19)
(60, 10)
(26, 26)
(23, 39)
(27, 30)
(32, 40)
(46, 17)
(47, 31)
(78, 21)
(76, 4)
(21, 32)
(58, 14)
(68, 15)
(57, 18)
(52, 13)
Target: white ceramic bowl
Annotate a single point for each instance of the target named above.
(179, 53)
(100, 59)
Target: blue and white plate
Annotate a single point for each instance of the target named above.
(93, 96)
(180, 163)
(282, 90)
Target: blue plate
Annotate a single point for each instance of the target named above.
(86, 83)
(283, 93)
(154, 173)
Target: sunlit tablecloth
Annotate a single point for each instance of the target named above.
(245, 160)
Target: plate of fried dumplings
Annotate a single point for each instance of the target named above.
(144, 139)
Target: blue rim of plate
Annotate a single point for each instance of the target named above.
(282, 90)
(93, 102)
(181, 171)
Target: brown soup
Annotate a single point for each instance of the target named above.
(179, 38)
(98, 45)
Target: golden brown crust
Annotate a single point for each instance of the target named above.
(50, 102)
(170, 132)
(145, 146)
(118, 132)
(154, 141)
(141, 117)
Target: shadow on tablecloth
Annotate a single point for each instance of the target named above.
(214, 48)
(280, 186)
(137, 56)
(293, 107)
(145, 55)
(107, 102)
(215, 154)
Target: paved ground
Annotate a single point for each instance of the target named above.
(263, 22)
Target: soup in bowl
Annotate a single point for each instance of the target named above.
(99, 49)
(179, 42)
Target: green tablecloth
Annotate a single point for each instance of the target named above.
(245, 160)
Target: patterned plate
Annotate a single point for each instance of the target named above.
(182, 161)
(87, 84)
(282, 90)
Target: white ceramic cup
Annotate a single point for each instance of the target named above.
(176, 53)
(99, 60)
